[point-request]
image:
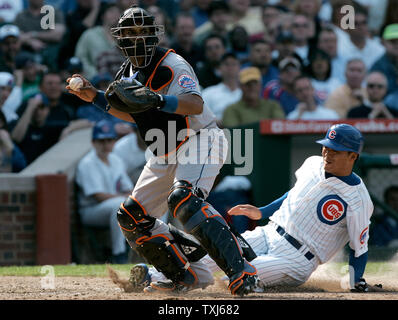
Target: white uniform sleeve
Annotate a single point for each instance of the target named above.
(308, 166)
(358, 220)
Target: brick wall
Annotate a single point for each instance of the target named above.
(17, 226)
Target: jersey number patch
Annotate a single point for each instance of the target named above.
(331, 209)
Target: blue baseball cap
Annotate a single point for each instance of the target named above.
(343, 137)
(104, 129)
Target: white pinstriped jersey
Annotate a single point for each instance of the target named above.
(325, 214)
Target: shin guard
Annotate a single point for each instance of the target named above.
(160, 250)
(212, 231)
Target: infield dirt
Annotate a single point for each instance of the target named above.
(324, 284)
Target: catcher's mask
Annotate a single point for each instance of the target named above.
(137, 35)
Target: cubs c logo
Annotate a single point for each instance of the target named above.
(332, 134)
(186, 82)
(363, 235)
(331, 209)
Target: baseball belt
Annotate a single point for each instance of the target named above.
(294, 242)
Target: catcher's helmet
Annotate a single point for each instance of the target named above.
(137, 35)
(343, 137)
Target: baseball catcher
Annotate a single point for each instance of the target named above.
(159, 91)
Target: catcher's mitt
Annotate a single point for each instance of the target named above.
(131, 96)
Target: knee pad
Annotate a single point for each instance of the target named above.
(133, 219)
(183, 202)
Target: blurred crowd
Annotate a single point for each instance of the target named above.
(255, 59)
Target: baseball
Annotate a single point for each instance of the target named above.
(76, 83)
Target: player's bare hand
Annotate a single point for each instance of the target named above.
(87, 92)
(247, 210)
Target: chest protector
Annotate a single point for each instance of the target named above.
(157, 77)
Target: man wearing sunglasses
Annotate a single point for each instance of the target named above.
(374, 107)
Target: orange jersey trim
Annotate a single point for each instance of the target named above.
(149, 81)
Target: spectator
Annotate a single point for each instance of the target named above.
(320, 70)
(361, 45)
(207, 71)
(72, 66)
(281, 90)
(308, 108)
(310, 9)
(391, 14)
(131, 149)
(374, 107)
(109, 61)
(247, 16)
(11, 157)
(385, 230)
(284, 47)
(392, 99)
(125, 4)
(10, 94)
(219, 16)
(221, 95)
(10, 46)
(32, 73)
(63, 5)
(351, 93)
(183, 43)
(161, 18)
(86, 15)
(51, 88)
(102, 185)
(388, 63)
(44, 119)
(31, 132)
(185, 5)
(238, 42)
(271, 16)
(200, 12)
(45, 43)
(252, 107)
(261, 57)
(301, 30)
(97, 41)
(9, 10)
(327, 41)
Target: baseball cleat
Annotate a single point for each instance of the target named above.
(139, 277)
(166, 286)
(244, 285)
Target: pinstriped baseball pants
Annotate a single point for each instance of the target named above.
(277, 262)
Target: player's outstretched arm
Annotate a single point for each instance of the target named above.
(247, 210)
(258, 213)
(189, 104)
